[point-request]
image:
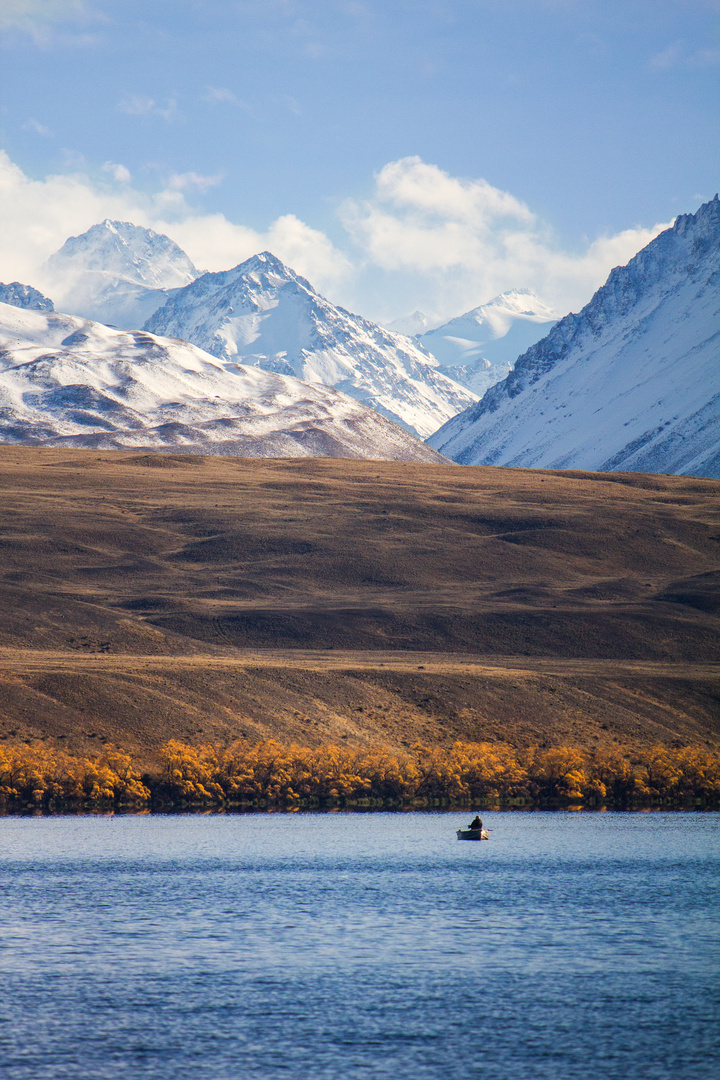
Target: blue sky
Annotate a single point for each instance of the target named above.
(401, 153)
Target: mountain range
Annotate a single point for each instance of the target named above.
(72, 382)
(260, 313)
(263, 314)
(632, 382)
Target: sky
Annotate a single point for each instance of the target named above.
(401, 154)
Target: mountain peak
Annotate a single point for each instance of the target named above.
(479, 348)
(515, 302)
(707, 217)
(263, 314)
(269, 259)
(412, 325)
(113, 226)
(269, 270)
(116, 272)
(127, 252)
(266, 260)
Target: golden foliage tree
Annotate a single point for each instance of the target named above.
(39, 776)
(269, 773)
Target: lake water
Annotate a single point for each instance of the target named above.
(360, 945)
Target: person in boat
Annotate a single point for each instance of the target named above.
(476, 823)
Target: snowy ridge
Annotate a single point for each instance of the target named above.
(263, 314)
(69, 381)
(24, 296)
(117, 272)
(630, 383)
(479, 348)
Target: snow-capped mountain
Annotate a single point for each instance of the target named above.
(24, 296)
(263, 314)
(116, 273)
(479, 348)
(631, 383)
(412, 325)
(69, 381)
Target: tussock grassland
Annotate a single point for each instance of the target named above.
(269, 774)
(149, 597)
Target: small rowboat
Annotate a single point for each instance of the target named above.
(473, 834)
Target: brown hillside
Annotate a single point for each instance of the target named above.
(145, 597)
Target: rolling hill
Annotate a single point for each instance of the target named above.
(148, 596)
(69, 381)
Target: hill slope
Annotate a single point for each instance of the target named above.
(70, 381)
(149, 596)
(629, 383)
(263, 314)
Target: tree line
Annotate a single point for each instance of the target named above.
(269, 774)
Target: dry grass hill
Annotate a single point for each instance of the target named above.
(147, 597)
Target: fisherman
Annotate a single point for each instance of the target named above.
(476, 823)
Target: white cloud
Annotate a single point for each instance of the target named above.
(411, 185)
(220, 94)
(214, 243)
(309, 251)
(31, 14)
(679, 55)
(73, 161)
(188, 180)
(38, 129)
(140, 105)
(216, 95)
(51, 22)
(121, 173)
(37, 216)
(460, 242)
(136, 105)
(424, 240)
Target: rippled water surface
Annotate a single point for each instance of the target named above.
(373, 945)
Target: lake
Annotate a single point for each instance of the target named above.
(316, 946)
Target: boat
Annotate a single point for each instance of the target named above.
(473, 834)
